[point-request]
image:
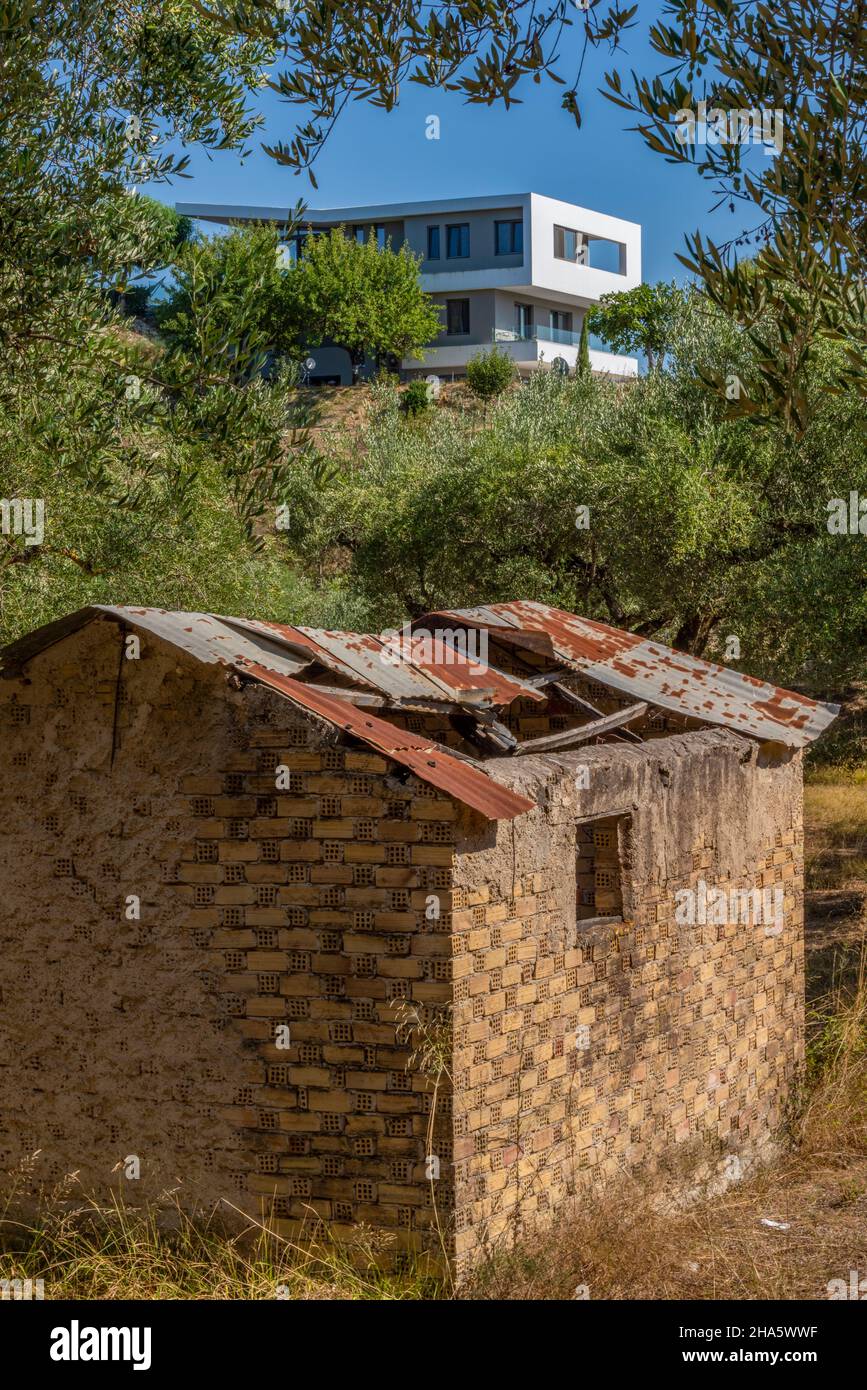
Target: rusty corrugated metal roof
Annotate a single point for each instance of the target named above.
(401, 669)
(249, 649)
(651, 671)
(628, 664)
(392, 670)
(204, 636)
(462, 780)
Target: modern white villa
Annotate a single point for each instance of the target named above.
(519, 270)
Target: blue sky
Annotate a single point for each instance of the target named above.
(375, 157)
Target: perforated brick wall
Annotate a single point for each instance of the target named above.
(321, 921)
(271, 1029)
(584, 1047)
(321, 907)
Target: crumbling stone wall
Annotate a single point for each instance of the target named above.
(583, 1048)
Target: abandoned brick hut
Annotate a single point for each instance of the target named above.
(241, 860)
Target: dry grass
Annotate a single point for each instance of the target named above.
(836, 835)
(85, 1251)
(623, 1246)
(835, 815)
(626, 1242)
(344, 411)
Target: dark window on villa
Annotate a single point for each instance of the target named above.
(363, 234)
(457, 316)
(561, 321)
(508, 238)
(433, 243)
(458, 241)
(570, 245)
(524, 320)
(602, 847)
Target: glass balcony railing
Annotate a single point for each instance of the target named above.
(538, 332)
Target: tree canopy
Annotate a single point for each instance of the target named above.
(700, 523)
(801, 63)
(362, 297)
(172, 471)
(638, 320)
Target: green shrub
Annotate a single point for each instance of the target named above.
(416, 398)
(489, 373)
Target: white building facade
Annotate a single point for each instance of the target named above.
(518, 270)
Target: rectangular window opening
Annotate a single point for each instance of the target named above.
(364, 233)
(602, 853)
(597, 252)
(524, 320)
(457, 316)
(508, 238)
(570, 245)
(458, 241)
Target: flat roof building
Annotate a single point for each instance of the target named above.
(519, 270)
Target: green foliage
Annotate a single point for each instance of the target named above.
(642, 319)
(802, 59)
(584, 364)
(163, 232)
(362, 297)
(160, 471)
(228, 309)
(237, 303)
(162, 465)
(702, 523)
(490, 373)
(416, 398)
(97, 98)
(141, 513)
(802, 62)
(341, 52)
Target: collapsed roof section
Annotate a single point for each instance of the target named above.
(393, 665)
(457, 777)
(341, 677)
(650, 671)
(276, 657)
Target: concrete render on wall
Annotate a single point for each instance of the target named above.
(711, 782)
(111, 1043)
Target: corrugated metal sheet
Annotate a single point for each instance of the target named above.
(628, 664)
(300, 640)
(363, 658)
(398, 671)
(464, 781)
(364, 655)
(650, 671)
(249, 649)
(205, 637)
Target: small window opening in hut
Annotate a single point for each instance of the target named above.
(601, 853)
